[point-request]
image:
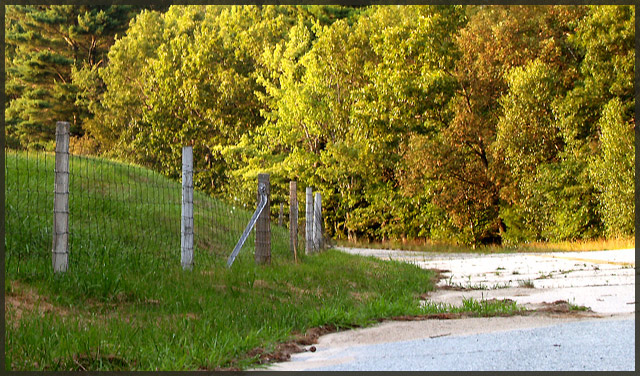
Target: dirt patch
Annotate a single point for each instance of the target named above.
(312, 335)
(438, 275)
(439, 272)
(259, 283)
(563, 308)
(283, 351)
(297, 290)
(360, 296)
(23, 299)
(454, 288)
(301, 292)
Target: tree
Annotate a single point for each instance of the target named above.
(549, 132)
(596, 117)
(612, 170)
(48, 43)
(118, 109)
(187, 77)
(473, 177)
(527, 137)
(478, 124)
(342, 100)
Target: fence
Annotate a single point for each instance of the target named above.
(120, 211)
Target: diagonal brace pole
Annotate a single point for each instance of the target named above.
(252, 222)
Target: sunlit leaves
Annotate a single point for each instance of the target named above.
(469, 123)
(613, 169)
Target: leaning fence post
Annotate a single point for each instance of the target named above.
(308, 227)
(186, 239)
(293, 219)
(263, 225)
(317, 222)
(60, 249)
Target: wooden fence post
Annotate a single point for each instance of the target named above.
(60, 249)
(281, 214)
(308, 227)
(263, 225)
(293, 219)
(317, 222)
(186, 240)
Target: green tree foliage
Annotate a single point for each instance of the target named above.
(118, 111)
(550, 132)
(612, 170)
(606, 39)
(48, 46)
(187, 77)
(462, 158)
(606, 101)
(476, 124)
(342, 101)
(526, 130)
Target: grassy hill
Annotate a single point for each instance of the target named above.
(120, 215)
(126, 304)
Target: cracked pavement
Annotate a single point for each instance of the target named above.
(603, 339)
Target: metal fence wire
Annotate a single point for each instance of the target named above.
(29, 180)
(117, 211)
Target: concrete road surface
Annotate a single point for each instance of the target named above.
(604, 281)
(501, 344)
(601, 280)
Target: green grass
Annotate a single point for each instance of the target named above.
(479, 308)
(175, 320)
(126, 304)
(577, 308)
(526, 283)
(479, 286)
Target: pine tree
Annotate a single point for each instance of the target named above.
(48, 46)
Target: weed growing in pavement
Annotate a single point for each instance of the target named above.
(477, 286)
(480, 308)
(574, 307)
(526, 283)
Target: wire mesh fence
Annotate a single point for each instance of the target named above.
(116, 207)
(28, 206)
(118, 214)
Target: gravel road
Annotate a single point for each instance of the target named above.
(594, 345)
(603, 340)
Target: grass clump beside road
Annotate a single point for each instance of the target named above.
(476, 308)
(126, 304)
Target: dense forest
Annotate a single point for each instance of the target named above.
(474, 124)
